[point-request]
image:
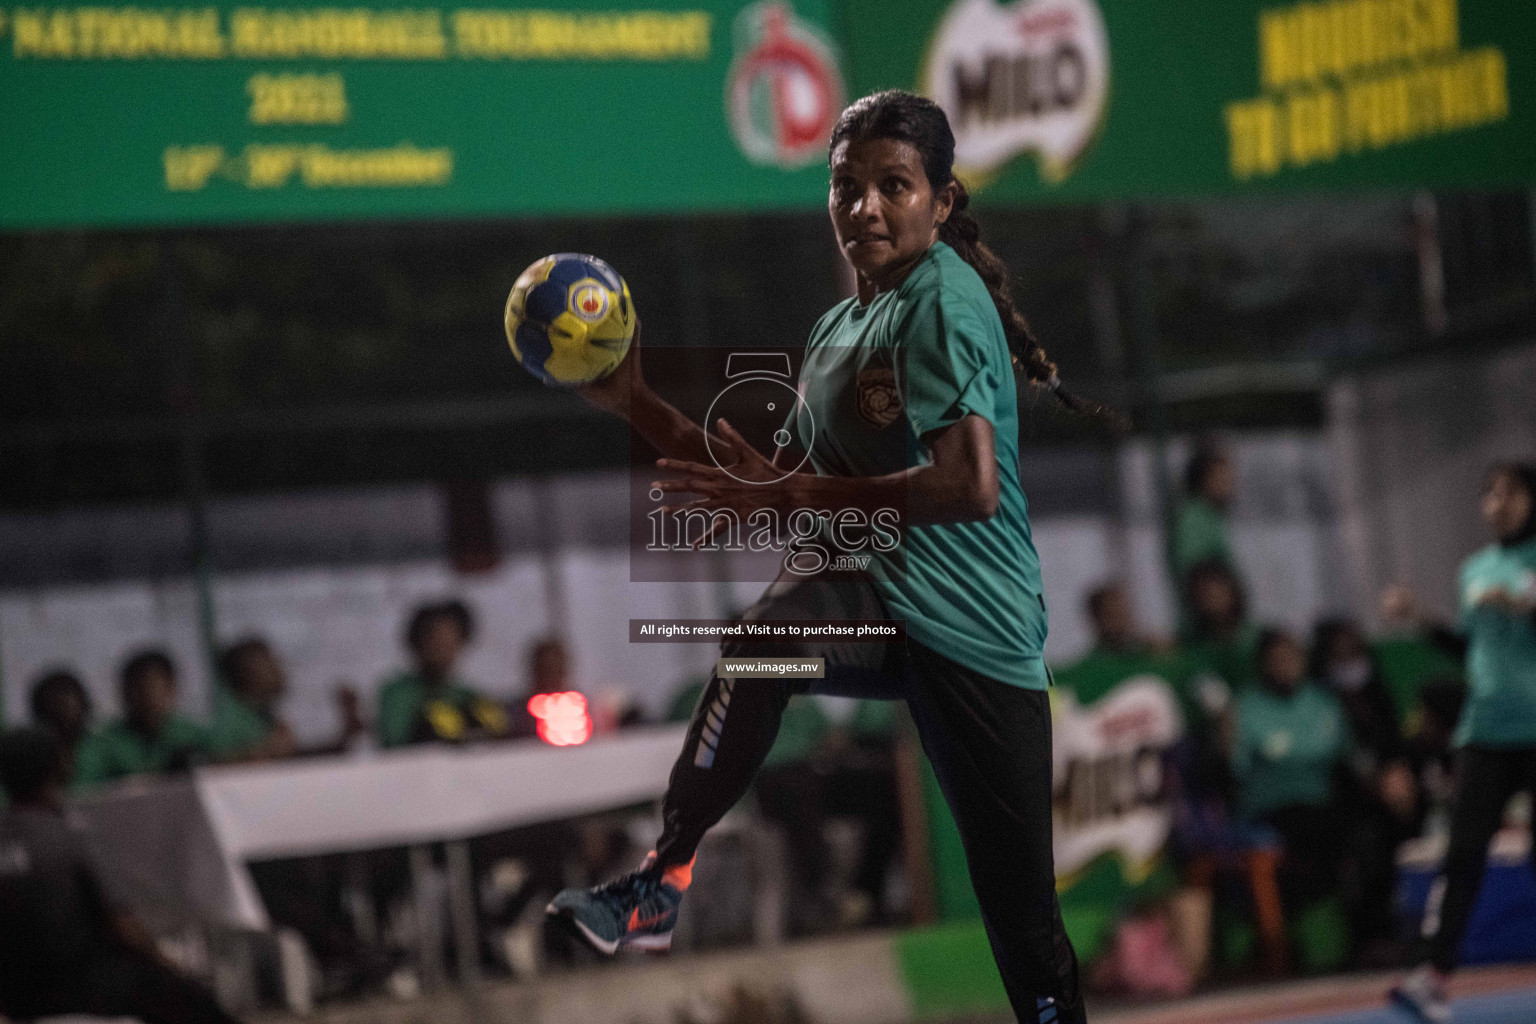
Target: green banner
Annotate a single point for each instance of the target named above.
(171, 115)
(1069, 100)
(220, 114)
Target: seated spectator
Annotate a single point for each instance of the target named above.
(64, 947)
(61, 705)
(1381, 799)
(865, 786)
(815, 771)
(1291, 738)
(304, 893)
(1415, 649)
(1343, 662)
(1121, 650)
(246, 724)
(150, 738)
(1114, 625)
(429, 704)
(1198, 761)
(1219, 636)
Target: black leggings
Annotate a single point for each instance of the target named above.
(990, 746)
(1486, 777)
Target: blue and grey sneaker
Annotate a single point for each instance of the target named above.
(637, 911)
(1422, 994)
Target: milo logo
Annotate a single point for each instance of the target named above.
(783, 91)
(1028, 77)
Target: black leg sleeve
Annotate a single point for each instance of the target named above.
(990, 745)
(731, 732)
(1484, 784)
(735, 724)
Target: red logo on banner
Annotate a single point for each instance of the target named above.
(783, 92)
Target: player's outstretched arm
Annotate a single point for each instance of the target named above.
(625, 394)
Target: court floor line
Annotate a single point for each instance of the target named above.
(1501, 1008)
(1494, 990)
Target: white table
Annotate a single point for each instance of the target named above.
(179, 847)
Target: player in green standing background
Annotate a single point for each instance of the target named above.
(1497, 731)
(913, 389)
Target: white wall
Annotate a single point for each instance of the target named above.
(345, 622)
(1414, 445)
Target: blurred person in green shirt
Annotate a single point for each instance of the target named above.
(301, 893)
(1120, 651)
(246, 726)
(429, 703)
(151, 738)
(1497, 731)
(246, 723)
(1291, 739)
(818, 769)
(1381, 799)
(1413, 650)
(1199, 531)
(1343, 662)
(1218, 636)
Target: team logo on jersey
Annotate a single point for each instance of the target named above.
(589, 300)
(784, 90)
(878, 397)
(1028, 77)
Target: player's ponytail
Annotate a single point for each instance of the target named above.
(906, 117)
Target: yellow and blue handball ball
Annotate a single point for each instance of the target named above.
(570, 319)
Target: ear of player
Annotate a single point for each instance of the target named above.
(570, 319)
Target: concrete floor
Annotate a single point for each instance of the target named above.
(854, 980)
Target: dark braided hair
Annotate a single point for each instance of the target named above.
(920, 122)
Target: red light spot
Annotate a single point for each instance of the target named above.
(562, 717)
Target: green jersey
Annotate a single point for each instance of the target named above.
(878, 377)
(237, 727)
(1286, 748)
(412, 712)
(117, 751)
(1501, 649)
(1199, 535)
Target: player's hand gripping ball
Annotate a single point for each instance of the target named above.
(570, 319)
